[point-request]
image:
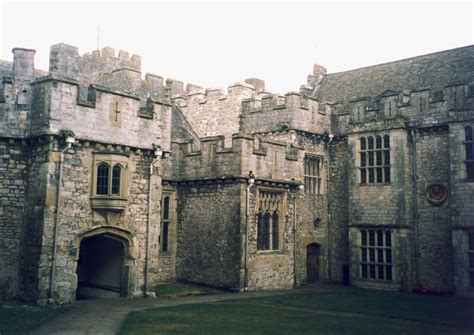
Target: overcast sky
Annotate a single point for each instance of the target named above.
(215, 44)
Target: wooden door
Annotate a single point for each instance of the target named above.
(312, 262)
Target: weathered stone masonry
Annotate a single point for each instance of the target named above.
(360, 177)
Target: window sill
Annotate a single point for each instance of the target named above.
(270, 252)
(374, 184)
(109, 203)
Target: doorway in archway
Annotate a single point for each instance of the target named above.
(100, 268)
(312, 263)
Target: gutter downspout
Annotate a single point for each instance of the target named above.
(52, 282)
(412, 127)
(328, 261)
(247, 219)
(148, 224)
(294, 239)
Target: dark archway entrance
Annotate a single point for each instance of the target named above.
(312, 263)
(100, 268)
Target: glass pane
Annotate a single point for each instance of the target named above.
(372, 271)
(164, 243)
(102, 179)
(378, 155)
(388, 239)
(363, 157)
(386, 141)
(379, 175)
(275, 235)
(471, 260)
(386, 157)
(470, 170)
(363, 237)
(380, 255)
(469, 153)
(364, 270)
(363, 176)
(363, 254)
(388, 272)
(362, 144)
(471, 278)
(371, 237)
(387, 175)
(166, 208)
(116, 179)
(468, 133)
(372, 255)
(266, 231)
(371, 175)
(379, 238)
(370, 139)
(380, 272)
(371, 158)
(378, 142)
(471, 241)
(388, 256)
(260, 231)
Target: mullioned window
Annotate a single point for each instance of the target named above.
(375, 159)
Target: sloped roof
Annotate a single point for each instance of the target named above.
(436, 70)
(180, 127)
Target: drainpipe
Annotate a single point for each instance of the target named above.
(250, 181)
(294, 240)
(411, 125)
(300, 188)
(328, 261)
(158, 153)
(69, 142)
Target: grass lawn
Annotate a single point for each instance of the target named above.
(18, 320)
(348, 311)
(174, 290)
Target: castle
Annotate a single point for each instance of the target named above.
(118, 182)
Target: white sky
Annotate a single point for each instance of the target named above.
(215, 44)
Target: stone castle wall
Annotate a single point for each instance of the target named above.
(13, 167)
(208, 234)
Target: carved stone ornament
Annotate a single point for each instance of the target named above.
(436, 194)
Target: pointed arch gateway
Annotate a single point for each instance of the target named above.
(104, 262)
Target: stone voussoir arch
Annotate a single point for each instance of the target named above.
(122, 235)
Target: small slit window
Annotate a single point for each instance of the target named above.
(469, 150)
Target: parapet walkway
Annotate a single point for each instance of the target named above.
(105, 316)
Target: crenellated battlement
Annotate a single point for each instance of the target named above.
(211, 111)
(291, 111)
(425, 104)
(65, 59)
(195, 95)
(120, 72)
(268, 159)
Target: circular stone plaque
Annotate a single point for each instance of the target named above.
(436, 194)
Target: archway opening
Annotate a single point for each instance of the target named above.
(100, 268)
(312, 263)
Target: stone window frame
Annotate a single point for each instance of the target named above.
(112, 200)
(470, 258)
(374, 159)
(468, 143)
(171, 236)
(376, 255)
(270, 201)
(165, 223)
(313, 172)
